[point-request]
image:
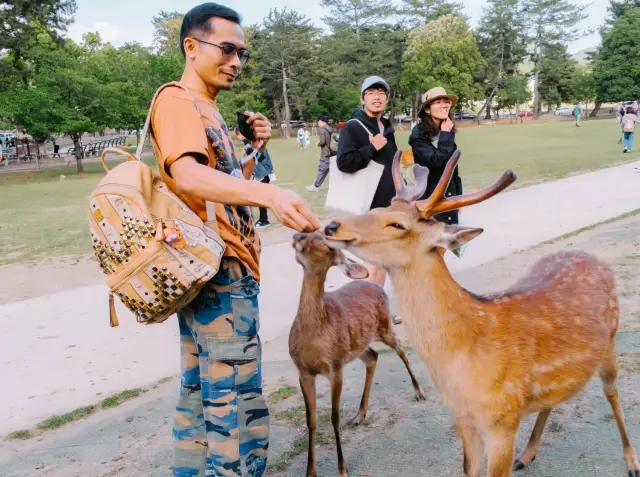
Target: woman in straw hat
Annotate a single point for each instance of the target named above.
(433, 143)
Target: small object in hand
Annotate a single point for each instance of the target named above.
(174, 238)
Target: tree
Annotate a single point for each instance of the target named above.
(166, 32)
(357, 14)
(502, 44)
(418, 12)
(442, 53)
(513, 93)
(549, 22)
(20, 22)
(584, 87)
(286, 46)
(557, 70)
(337, 103)
(617, 70)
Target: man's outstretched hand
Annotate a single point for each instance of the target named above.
(292, 210)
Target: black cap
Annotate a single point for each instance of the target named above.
(324, 118)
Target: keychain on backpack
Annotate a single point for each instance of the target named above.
(174, 238)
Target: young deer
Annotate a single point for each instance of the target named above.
(493, 358)
(332, 329)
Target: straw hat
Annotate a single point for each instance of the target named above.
(437, 93)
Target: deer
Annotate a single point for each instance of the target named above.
(331, 329)
(498, 357)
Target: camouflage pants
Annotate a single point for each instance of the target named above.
(222, 421)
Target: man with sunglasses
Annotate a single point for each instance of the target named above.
(222, 422)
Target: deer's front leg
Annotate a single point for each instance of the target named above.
(500, 444)
(308, 387)
(336, 392)
(472, 448)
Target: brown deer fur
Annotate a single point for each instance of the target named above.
(332, 329)
(499, 357)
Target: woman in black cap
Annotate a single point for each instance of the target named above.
(433, 143)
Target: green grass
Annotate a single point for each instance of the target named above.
(23, 434)
(57, 421)
(282, 393)
(117, 399)
(42, 216)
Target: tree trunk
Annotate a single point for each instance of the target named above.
(586, 110)
(415, 103)
(37, 156)
(138, 137)
(77, 151)
(487, 114)
(392, 109)
(536, 82)
(596, 108)
(278, 114)
(285, 98)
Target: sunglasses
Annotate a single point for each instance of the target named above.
(229, 50)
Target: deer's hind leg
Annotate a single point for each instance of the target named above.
(530, 452)
(391, 340)
(370, 360)
(608, 375)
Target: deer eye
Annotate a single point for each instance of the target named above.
(396, 225)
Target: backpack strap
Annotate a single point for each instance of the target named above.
(364, 127)
(147, 123)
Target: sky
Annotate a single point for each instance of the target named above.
(121, 21)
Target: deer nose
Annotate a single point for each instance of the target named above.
(332, 228)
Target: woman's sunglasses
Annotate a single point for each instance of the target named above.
(228, 50)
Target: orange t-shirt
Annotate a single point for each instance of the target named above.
(178, 131)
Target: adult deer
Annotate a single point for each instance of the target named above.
(332, 329)
(494, 358)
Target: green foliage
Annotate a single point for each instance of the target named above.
(357, 14)
(617, 70)
(557, 70)
(337, 103)
(514, 92)
(584, 85)
(58, 421)
(418, 12)
(22, 20)
(443, 53)
(287, 48)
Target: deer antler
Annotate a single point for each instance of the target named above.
(437, 203)
(420, 175)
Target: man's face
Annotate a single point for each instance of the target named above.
(375, 100)
(210, 62)
(321, 124)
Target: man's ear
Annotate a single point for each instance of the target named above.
(454, 236)
(351, 268)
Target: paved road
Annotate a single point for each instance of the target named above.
(62, 354)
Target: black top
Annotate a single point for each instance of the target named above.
(435, 159)
(355, 151)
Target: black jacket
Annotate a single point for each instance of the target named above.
(435, 159)
(355, 151)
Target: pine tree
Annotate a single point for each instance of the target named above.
(502, 42)
(357, 14)
(549, 22)
(418, 12)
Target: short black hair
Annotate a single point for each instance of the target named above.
(198, 18)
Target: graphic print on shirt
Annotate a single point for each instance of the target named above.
(240, 217)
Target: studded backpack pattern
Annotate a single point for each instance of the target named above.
(156, 252)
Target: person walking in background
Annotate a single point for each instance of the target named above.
(366, 137)
(577, 112)
(629, 121)
(307, 138)
(433, 142)
(301, 137)
(263, 172)
(324, 133)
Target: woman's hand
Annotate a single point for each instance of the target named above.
(447, 125)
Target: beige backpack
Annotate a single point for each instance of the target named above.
(156, 252)
(629, 125)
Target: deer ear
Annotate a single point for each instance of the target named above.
(454, 236)
(352, 269)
